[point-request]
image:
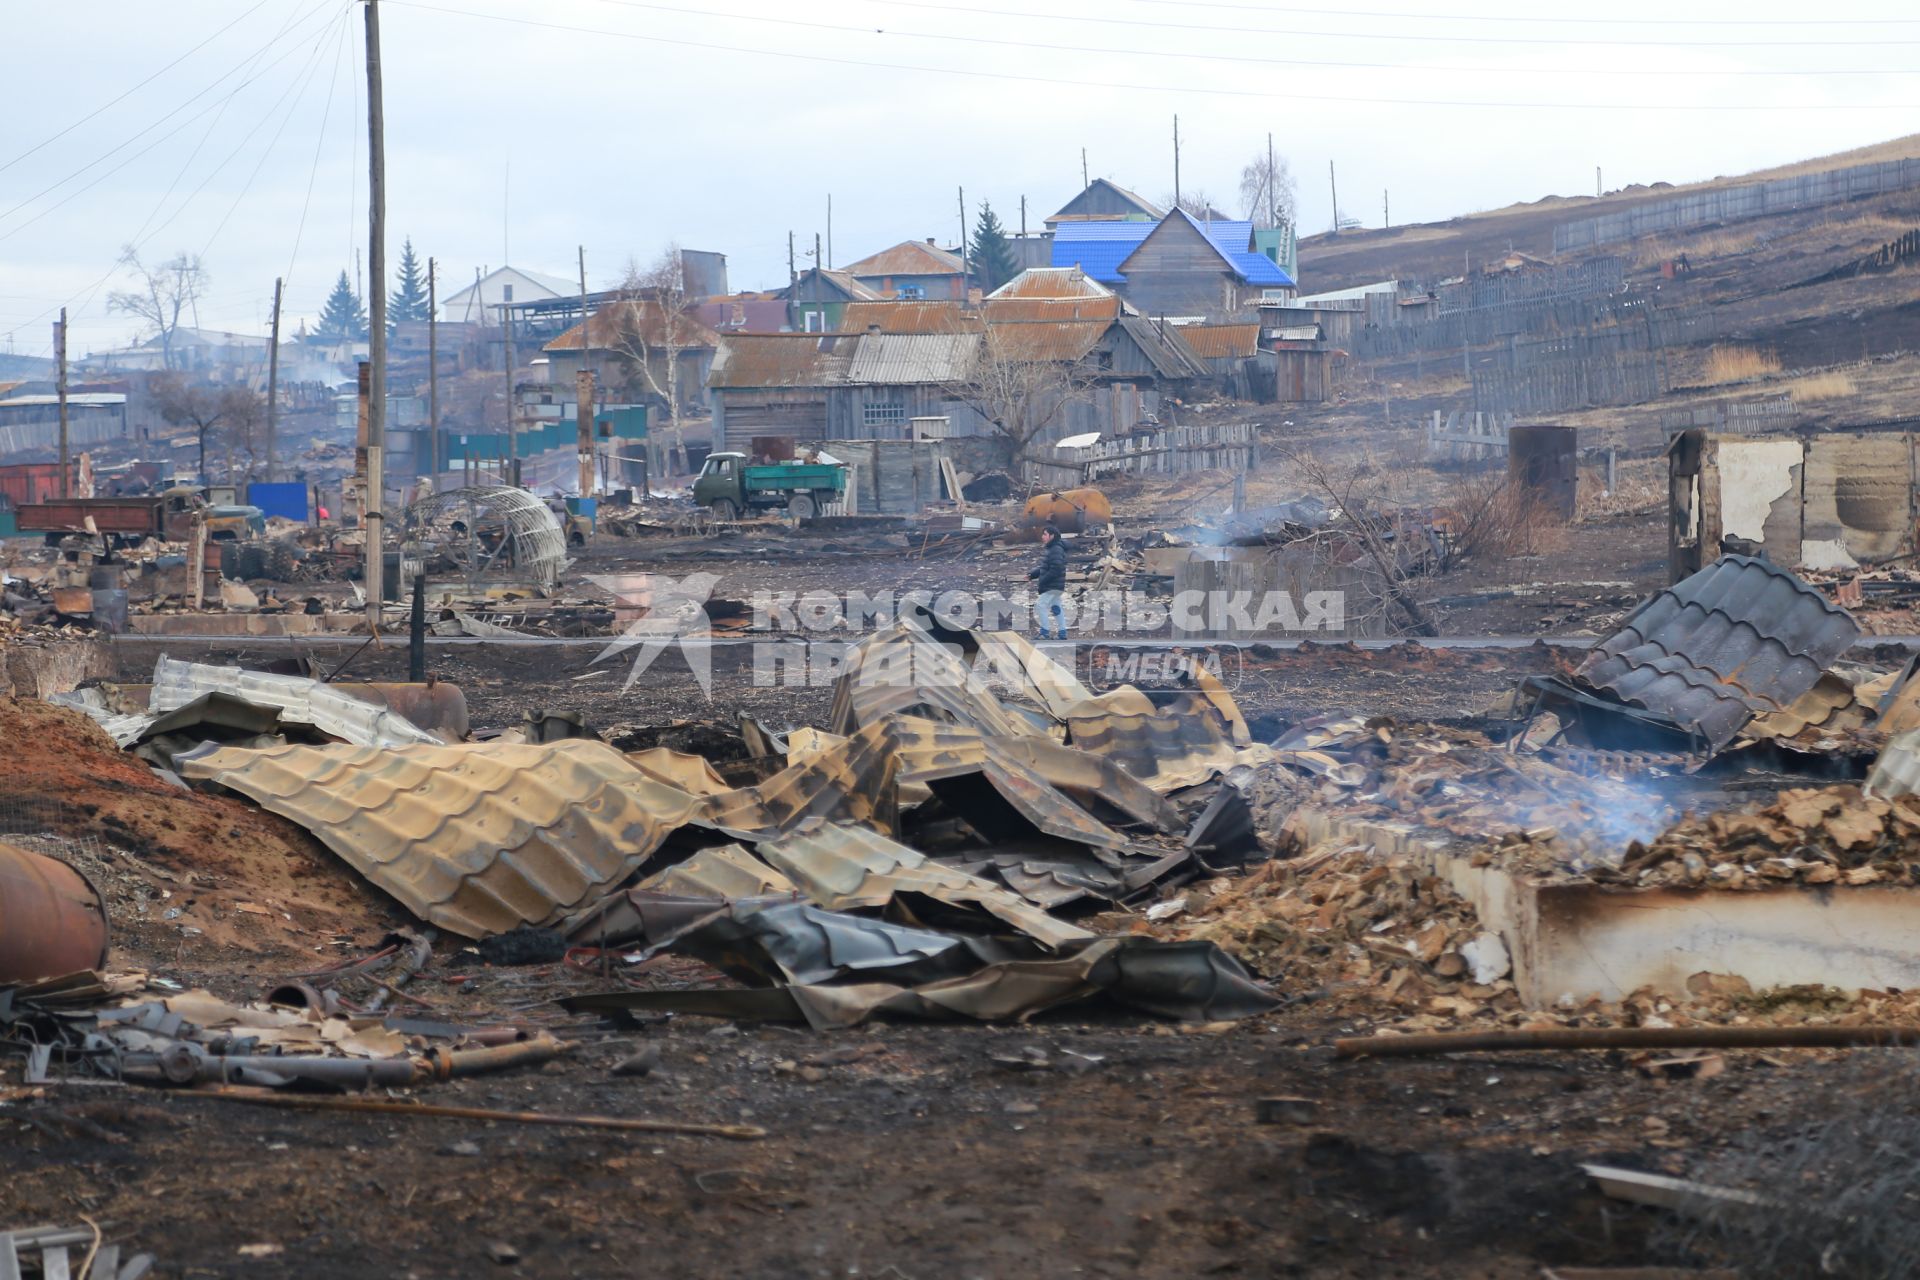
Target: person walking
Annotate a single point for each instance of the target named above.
(1049, 578)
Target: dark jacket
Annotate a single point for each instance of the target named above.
(1051, 575)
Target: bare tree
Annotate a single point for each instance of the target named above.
(163, 295)
(1198, 205)
(1267, 192)
(652, 327)
(1364, 536)
(1021, 388)
(223, 414)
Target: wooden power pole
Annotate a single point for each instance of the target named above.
(60, 356)
(377, 322)
(583, 381)
(433, 357)
(273, 377)
(1176, 162)
(1334, 190)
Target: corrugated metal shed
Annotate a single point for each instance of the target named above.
(746, 360)
(908, 258)
(908, 317)
(895, 359)
(477, 838)
(1740, 638)
(1221, 341)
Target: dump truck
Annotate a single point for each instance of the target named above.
(729, 486)
(127, 521)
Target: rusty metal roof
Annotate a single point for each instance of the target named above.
(892, 359)
(908, 258)
(908, 317)
(1026, 310)
(1222, 341)
(631, 321)
(1051, 282)
(1165, 348)
(782, 360)
(1740, 638)
(477, 838)
(1040, 341)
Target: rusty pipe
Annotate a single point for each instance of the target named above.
(452, 1064)
(52, 920)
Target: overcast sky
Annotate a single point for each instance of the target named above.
(236, 128)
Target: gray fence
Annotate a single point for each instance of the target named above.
(1726, 204)
(1566, 385)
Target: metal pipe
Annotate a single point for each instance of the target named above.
(1793, 1037)
(307, 1102)
(452, 1064)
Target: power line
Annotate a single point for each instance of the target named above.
(1510, 19)
(1690, 72)
(326, 114)
(1207, 90)
(48, 141)
(1384, 35)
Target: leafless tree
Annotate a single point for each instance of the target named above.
(1267, 192)
(1198, 204)
(163, 294)
(222, 414)
(652, 327)
(1017, 387)
(1361, 536)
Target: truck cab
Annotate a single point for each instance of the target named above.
(721, 487)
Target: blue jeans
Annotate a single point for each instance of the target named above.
(1051, 608)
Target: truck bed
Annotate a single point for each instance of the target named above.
(110, 515)
(820, 475)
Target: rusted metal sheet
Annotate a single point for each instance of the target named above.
(52, 921)
(436, 706)
(477, 838)
(299, 699)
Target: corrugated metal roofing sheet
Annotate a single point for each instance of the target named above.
(1221, 341)
(298, 699)
(1039, 341)
(1098, 248)
(892, 359)
(478, 838)
(1051, 282)
(908, 258)
(623, 323)
(781, 360)
(1742, 637)
(1165, 346)
(908, 317)
(1026, 310)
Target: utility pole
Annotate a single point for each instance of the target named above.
(793, 276)
(1596, 180)
(1273, 186)
(273, 377)
(513, 410)
(963, 239)
(60, 355)
(377, 320)
(583, 382)
(433, 357)
(1386, 208)
(1335, 190)
(1084, 184)
(1176, 161)
(829, 262)
(1023, 217)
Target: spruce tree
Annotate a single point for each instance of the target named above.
(409, 301)
(993, 261)
(344, 315)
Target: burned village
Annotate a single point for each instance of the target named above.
(964, 666)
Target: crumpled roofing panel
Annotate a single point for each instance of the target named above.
(1742, 637)
(477, 838)
(298, 699)
(1897, 770)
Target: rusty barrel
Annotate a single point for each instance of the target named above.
(52, 921)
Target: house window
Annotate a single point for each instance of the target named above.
(915, 291)
(815, 321)
(883, 415)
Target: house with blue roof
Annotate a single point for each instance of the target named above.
(1177, 266)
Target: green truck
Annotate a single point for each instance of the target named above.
(729, 486)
